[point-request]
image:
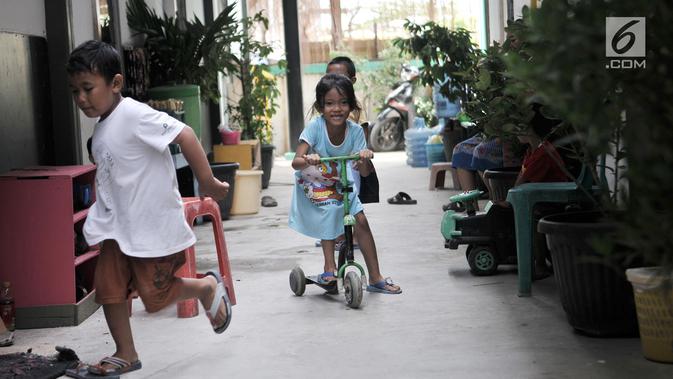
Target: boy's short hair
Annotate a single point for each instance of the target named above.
(350, 66)
(95, 57)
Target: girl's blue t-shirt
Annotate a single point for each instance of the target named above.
(317, 201)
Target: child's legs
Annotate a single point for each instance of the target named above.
(158, 286)
(368, 247)
(155, 280)
(112, 281)
(328, 254)
(466, 179)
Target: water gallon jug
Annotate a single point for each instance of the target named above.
(414, 140)
(443, 107)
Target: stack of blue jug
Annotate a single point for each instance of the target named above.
(414, 141)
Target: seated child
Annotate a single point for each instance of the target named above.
(317, 202)
(541, 163)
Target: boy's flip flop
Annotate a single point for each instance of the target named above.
(119, 366)
(220, 296)
(401, 198)
(380, 287)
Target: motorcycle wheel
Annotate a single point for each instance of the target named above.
(387, 134)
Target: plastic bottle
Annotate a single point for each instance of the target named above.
(7, 308)
(414, 140)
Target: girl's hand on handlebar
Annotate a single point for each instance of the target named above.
(366, 154)
(312, 159)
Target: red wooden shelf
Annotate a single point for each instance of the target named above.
(41, 204)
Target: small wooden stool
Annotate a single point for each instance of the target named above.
(438, 176)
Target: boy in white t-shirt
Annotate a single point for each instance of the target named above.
(137, 218)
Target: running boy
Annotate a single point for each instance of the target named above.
(317, 202)
(137, 218)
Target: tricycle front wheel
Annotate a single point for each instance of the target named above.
(353, 289)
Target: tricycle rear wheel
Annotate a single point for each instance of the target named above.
(297, 281)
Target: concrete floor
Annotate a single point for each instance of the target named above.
(446, 324)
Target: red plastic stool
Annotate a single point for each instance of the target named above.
(195, 207)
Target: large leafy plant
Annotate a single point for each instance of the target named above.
(256, 103)
(189, 53)
(625, 113)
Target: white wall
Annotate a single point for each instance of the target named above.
(23, 17)
(497, 16)
(82, 27)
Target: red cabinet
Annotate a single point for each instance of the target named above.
(43, 210)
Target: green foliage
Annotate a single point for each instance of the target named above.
(257, 104)
(623, 112)
(191, 54)
(444, 53)
(376, 84)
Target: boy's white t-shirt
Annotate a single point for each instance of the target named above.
(137, 199)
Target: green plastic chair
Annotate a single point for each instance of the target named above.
(524, 198)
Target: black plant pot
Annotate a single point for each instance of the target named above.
(501, 180)
(267, 164)
(598, 299)
(225, 172)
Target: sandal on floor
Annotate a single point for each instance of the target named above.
(380, 287)
(268, 201)
(220, 296)
(401, 198)
(119, 366)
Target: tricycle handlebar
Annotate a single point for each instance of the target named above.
(341, 158)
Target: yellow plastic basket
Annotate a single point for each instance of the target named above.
(654, 304)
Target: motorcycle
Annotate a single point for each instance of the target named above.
(387, 132)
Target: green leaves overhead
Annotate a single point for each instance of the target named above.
(193, 53)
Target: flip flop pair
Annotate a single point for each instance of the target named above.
(401, 198)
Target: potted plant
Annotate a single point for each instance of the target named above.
(619, 113)
(189, 53)
(256, 103)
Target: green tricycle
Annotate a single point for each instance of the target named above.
(350, 281)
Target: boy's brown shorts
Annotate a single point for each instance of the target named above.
(117, 275)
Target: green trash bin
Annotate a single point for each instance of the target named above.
(190, 95)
